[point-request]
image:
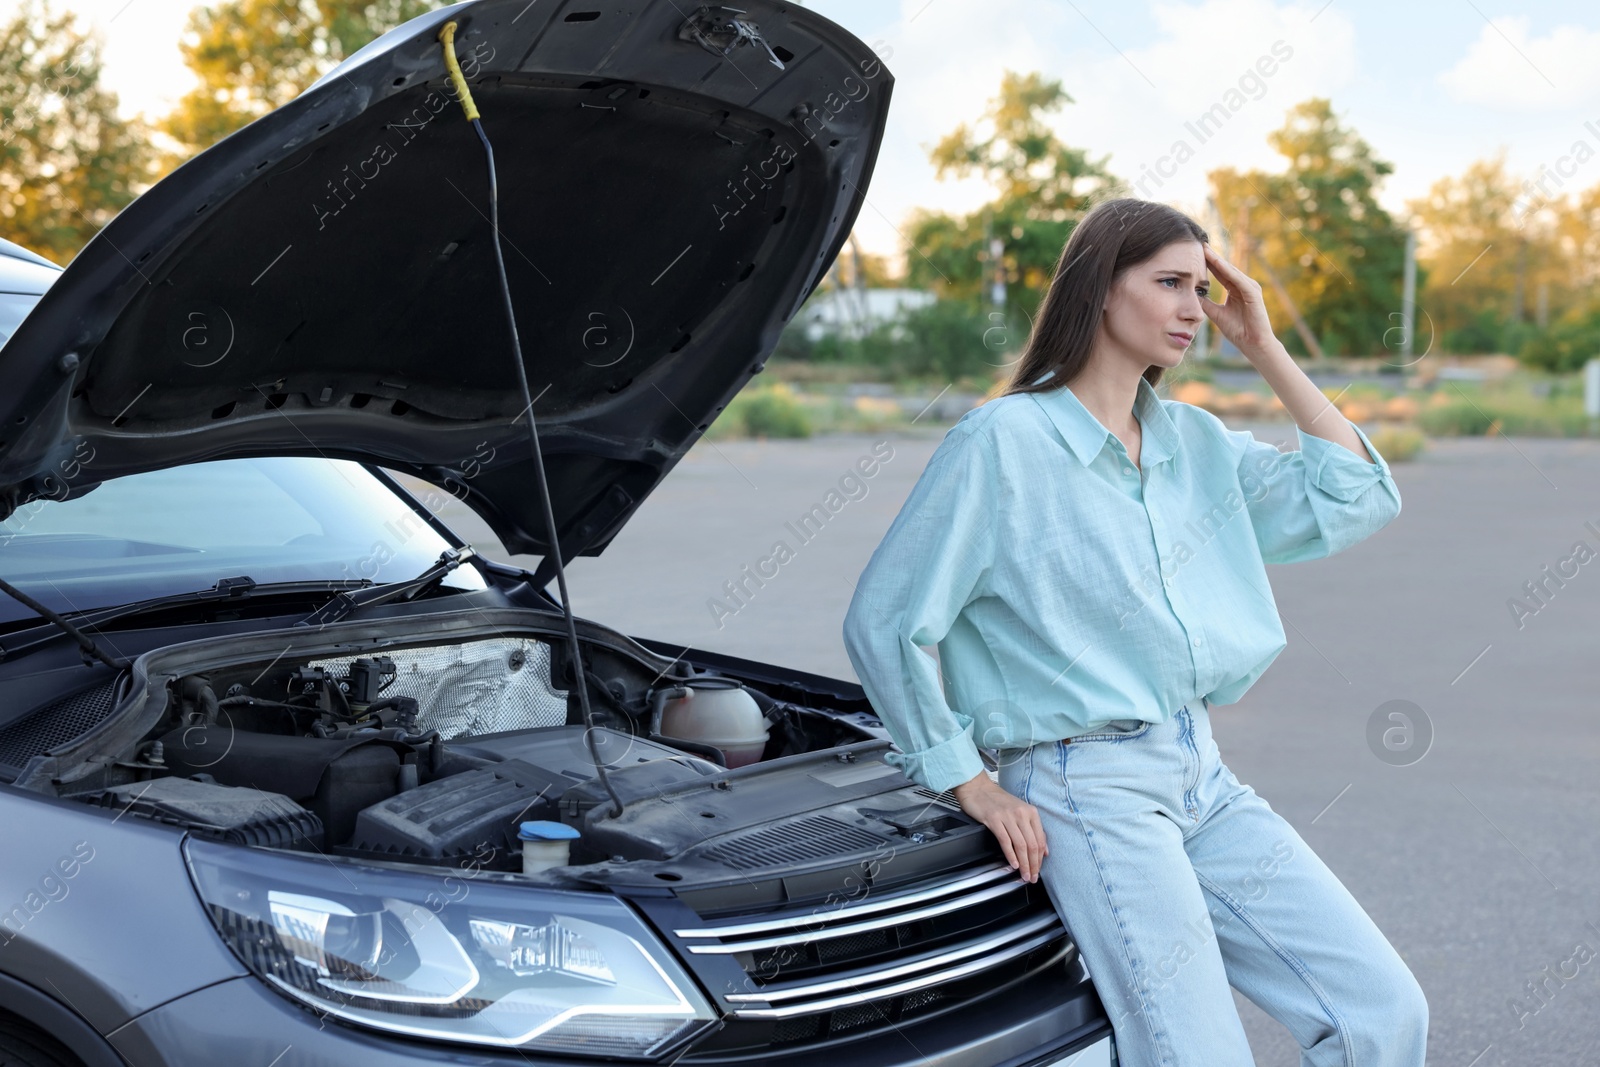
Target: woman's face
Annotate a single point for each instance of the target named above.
(1153, 310)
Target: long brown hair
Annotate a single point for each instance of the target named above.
(1114, 236)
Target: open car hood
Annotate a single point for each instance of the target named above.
(323, 281)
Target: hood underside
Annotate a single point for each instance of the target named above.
(323, 282)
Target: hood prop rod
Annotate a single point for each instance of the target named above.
(447, 35)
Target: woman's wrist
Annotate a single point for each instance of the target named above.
(974, 784)
(1268, 352)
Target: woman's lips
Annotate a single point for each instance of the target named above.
(1181, 338)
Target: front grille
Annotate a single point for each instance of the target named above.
(52, 726)
(863, 966)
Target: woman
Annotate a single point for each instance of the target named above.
(1088, 558)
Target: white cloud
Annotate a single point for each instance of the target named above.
(1224, 73)
(947, 64)
(142, 63)
(1132, 99)
(1506, 69)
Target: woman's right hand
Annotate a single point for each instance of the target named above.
(1014, 823)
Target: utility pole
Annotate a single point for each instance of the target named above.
(858, 288)
(1408, 299)
(1522, 270)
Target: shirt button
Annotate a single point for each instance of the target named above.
(1127, 470)
(1197, 642)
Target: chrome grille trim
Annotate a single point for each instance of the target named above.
(850, 911)
(892, 919)
(1034, 925)
(812, 1007)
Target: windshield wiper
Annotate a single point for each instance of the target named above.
(24, 642)
(63, 628)
(343, 604)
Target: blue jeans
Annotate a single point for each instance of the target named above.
(1177, 881)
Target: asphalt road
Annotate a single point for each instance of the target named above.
(1478, 860)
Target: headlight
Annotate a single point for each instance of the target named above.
(478, 960)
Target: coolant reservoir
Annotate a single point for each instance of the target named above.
(728, 719)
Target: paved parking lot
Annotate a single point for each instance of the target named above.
(1479, 860)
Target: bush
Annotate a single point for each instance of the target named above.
(1481, 334)
(1397, 443)
(763, 411)
(775, 412)
(1458, 417)
(949, 340)
(1567, 345)
(793, 344)
(945, 341)
(1512, 413)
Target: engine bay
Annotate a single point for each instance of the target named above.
(438, 750)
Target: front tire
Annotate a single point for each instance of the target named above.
(22, 1045)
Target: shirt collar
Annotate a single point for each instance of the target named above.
(1086, 436)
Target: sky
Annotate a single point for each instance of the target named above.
(1431, 84)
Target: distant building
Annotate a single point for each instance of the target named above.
(852, 313)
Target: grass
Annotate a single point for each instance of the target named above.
(799, 400)
(778, 410)
(1461, 410)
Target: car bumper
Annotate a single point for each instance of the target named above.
(241, 1021)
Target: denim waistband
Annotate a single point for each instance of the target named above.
(1125, 726)
(1112, 728)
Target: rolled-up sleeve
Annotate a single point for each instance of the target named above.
(1314, 502)
(935, 559)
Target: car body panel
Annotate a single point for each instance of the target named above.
(79, 924)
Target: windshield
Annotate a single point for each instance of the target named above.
(13, 307)
(183, 529)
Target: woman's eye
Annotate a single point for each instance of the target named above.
(1164, 281)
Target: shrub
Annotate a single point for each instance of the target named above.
(1512, 413)
(1397, 443)
(774, 411)
(949, 340)
(1567, 345)
(1455, 417)
(762, 411)
(1481, 333)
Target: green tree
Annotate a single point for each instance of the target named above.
(1490, 249)
(252, 56)
(1320, 229)
(1043, 187)
(70, 162)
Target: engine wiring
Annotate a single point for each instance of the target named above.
(464, 95)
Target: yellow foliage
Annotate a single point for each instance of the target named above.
(1400, 407)
(1356, 410)
(1199, 394)
(876, 405)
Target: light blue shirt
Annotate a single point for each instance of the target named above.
(1066, 588)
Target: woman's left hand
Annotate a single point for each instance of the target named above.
(1243, 319)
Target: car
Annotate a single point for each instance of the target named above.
(291, 773)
